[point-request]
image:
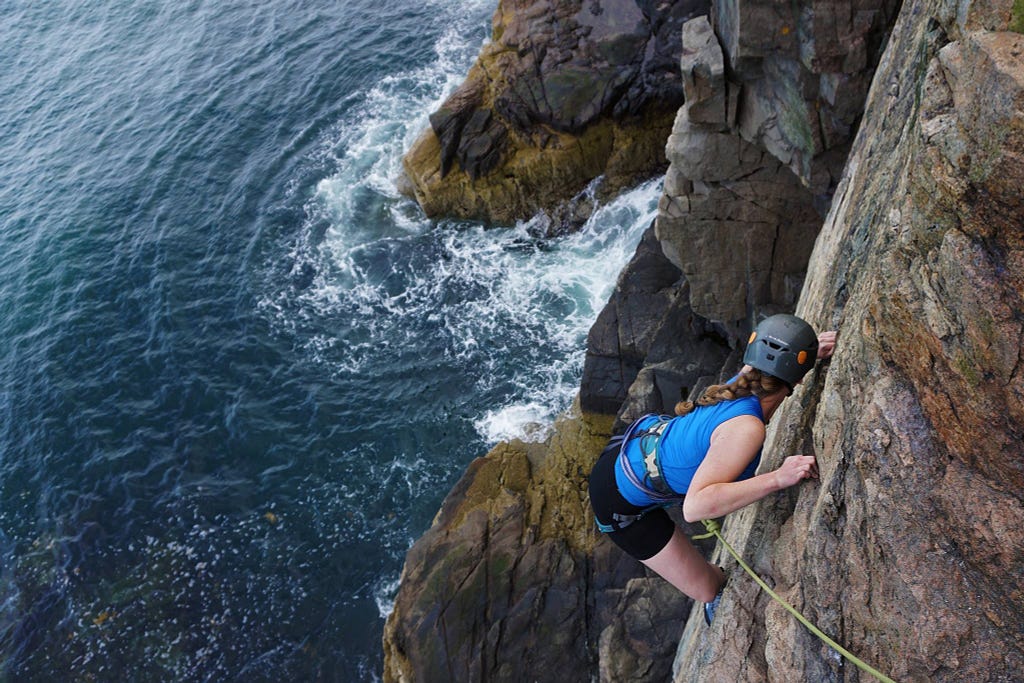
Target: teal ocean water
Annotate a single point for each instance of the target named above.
(238, 372)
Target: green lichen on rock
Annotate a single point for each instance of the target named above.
(541, 171)
(1017, 16)
(510, 552)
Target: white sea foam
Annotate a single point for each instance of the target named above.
(560, 290)
(384, 595)
(494, 293)
(524, 420)
(510, 307)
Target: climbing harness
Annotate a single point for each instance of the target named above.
(715, 529)
(653, 483)
(620, 522)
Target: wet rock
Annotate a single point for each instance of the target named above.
(564, 93)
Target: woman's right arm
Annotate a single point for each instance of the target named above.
(795, 469)
(714, 491)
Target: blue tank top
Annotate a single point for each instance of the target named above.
(683, 446)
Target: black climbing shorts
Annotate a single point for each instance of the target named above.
(644, 538)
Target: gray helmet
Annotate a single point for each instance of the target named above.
(783, 346)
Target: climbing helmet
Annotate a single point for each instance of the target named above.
(783, 346)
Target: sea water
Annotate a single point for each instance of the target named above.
(238, 371)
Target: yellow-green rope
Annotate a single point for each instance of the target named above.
(715, 529)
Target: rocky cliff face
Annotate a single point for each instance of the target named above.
(908, 549)
(773, 95)
(566, 91)
(755, 152)
(512, 580)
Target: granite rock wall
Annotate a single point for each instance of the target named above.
(908, 551)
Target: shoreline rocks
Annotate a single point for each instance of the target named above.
(565, 93)
(514, 577)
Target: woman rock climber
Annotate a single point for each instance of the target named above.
(704, 458)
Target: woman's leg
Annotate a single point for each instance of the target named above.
(681, 564)
(654, 539)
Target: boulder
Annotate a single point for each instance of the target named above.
(513, 579)
(738, 223)
(564, 93)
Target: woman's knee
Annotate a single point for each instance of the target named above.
(682, 565)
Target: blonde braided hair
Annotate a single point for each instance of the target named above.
(753, 382)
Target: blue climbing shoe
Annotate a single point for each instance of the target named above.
(710, 607)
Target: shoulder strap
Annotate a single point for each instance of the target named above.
(658, 490)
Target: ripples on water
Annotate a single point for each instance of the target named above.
(238, 373)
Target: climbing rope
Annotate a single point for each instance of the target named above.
(715, 529)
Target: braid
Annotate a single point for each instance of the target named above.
(750, 383)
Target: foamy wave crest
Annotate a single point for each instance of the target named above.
(507, 306)
(558, 293)
(373, 141)
(526, 421)
(358, 202)
(384, 593)
(383, 292)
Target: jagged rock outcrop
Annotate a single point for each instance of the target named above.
(647, 349)
(773, 95)
(566, 91)
(744, 195)
(909, 551)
